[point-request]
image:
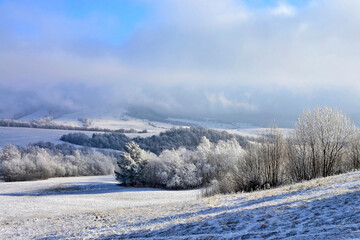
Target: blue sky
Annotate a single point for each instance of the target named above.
(227, 59)
(117, 18)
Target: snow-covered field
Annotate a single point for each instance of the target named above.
(95, 207)
(239, 128)
(214, 124)
(113, 121)
(137, 124)
(24, 136)
(254, 132)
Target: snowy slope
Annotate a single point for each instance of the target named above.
(255, 132)
(118, 120)
(24, 136)
(240, 128)
(95, 207)
(214, 124)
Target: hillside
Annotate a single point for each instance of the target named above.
(95, 207)
(173, 138)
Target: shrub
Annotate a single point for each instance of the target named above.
(33, 162)
(319, 143)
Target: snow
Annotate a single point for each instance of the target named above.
(254, 132)
(137, 124)
(34, 115)
(119, 120)
(214, 124)
(95, 207)
(113, 120)
(118, 113)
(239, 128)
(24, 136)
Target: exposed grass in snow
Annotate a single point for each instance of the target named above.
(95, 207)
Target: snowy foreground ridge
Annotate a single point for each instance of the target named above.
(95, 207)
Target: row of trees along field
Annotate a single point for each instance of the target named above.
(48, 123)
(45, 160)
(174, 138)
(324, 142)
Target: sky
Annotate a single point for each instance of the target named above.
(252, 61)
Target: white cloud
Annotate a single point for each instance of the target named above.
(219, 99)
(200, 46)
(283, 9)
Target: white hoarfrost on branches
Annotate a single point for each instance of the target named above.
(324, 142)
(319, 143)
(354, 153)
(33, 162)
(183, 169)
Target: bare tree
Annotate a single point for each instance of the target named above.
(265, 161)
(253, 171)
(354, 152)
(272, 153)
(318, 143)
(303, 153)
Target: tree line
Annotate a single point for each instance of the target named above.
(45, 160)
(324, 142)
(174, 138)
(47, 123)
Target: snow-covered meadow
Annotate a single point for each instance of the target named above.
(24, 136)
(96, 207)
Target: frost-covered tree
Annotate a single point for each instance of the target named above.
(131, 166)
(354, 152)
(272, 152)
(319, 142)
(174, 138)
(176, 170)
(1, 172)
(10, 152)
(265, 161)
(184, 169)
(34, 162)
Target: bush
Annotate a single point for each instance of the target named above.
(33, 162)
(185, 169)
(319, 144)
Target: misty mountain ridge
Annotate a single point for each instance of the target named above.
(72, 117)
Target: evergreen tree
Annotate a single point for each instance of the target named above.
(131, 165)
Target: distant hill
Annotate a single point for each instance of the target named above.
(170, 139)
